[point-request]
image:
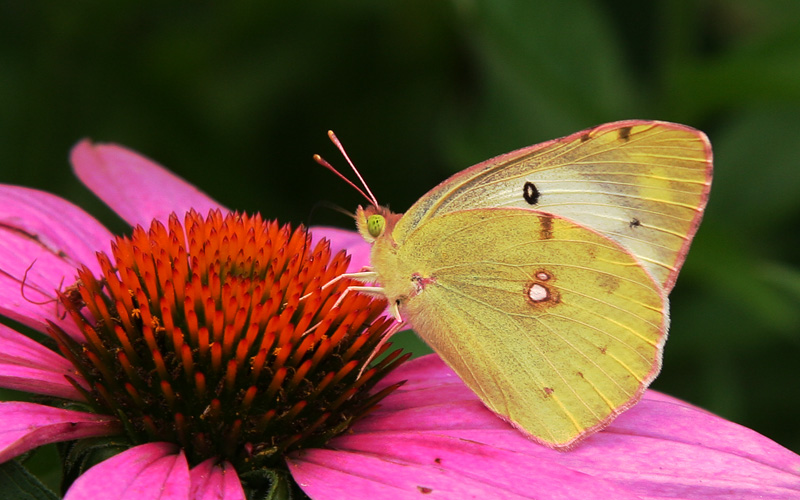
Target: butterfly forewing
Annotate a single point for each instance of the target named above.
(642, 184)
(556, 327)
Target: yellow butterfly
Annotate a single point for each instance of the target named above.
(541, 276)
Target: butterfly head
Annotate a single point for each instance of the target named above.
(375, 222)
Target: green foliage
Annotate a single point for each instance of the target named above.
(237, 96)
(19, 484)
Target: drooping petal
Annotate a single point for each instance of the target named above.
(30, 276)
(37, 381)
(215, 481)
(148, 471)
(23, 351)
(662, 448)
(26, 365)
(43, 239)
(136, 188)
(60, 227)
(28, 425)
(351, 241)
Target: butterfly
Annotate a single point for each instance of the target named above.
(541, 276)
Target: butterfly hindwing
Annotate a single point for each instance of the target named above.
(556, 327)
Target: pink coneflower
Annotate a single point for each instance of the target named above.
(202, 350)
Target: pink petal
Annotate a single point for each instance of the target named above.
(342, 239)
(409, 466)
(24, 351)
(28, 425)
(135, 187)
(148, 471)
(43, 239)
(679, 422)
(57, 225)
(698, 455)
(29, 278)
(215, 481)
(422, 372)
(662, 448)
(26, 365)
(37, 381)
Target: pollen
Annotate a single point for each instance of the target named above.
(218, 334)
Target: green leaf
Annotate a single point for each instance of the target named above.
(271, 484)
(16, 483)
(729, 269)
(530, 89)
(755, 179)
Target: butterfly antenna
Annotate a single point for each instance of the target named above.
(332, 206)
(321, 161)
(335, 140)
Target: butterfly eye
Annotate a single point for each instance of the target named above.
(375, 225)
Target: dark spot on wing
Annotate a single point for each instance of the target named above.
(425, 490)
(530, 193)
(635, 222)
(546, 231)
(585, 137)
(608, 283)
(624, 133)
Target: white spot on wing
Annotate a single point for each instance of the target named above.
(538, 293)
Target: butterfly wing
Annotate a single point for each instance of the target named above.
(642, 184)
(556, 328)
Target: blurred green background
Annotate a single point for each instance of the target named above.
(237, 96)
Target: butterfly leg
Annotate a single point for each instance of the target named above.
(370, 290)
(363, 289)
(374, 290)
(364, 276)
